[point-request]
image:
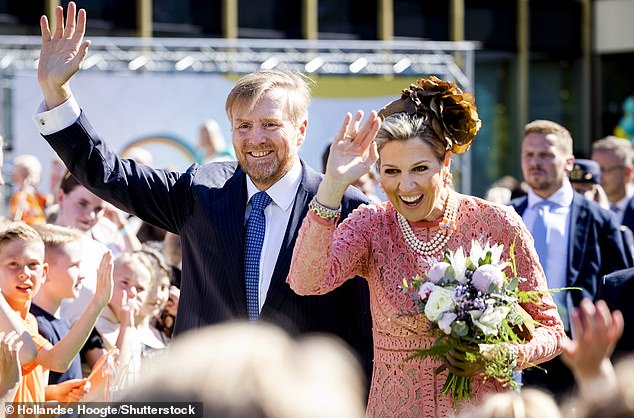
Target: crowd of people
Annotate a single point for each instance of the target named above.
(258, 253)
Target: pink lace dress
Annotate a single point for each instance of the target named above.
(370, 244)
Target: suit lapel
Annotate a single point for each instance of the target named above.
(228, 211)
(579, 222)
(520, 205)
(278, 288)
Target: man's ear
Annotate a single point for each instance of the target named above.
(302, 132)
(44, 273)
(570, 163)
(628, 173)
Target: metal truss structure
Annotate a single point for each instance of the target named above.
(449, 60)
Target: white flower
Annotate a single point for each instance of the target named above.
(437, 272)
(485, 276)
(489, 320)
(459, 263)
(496, 253)
(445, 322)
(477, 251)
(439, 302)
(425, 290)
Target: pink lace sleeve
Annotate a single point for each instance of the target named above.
(549, 334)
(326, 256)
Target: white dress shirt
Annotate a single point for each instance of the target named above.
(557, 223)
(277, 213)
(619, 207)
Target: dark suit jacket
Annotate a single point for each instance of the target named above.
(595, 248)
(617, 290)
(628, 216)
(206, 206)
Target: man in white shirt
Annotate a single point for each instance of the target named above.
(577, 241)
(211, 206)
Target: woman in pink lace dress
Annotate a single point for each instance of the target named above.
(401, 238)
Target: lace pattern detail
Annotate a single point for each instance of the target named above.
(370, 244)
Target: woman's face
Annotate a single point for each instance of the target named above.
(412, 179)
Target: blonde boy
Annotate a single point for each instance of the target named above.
(63, 254)
(22, 272)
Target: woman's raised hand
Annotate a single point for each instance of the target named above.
(62, 53)
(352, 154)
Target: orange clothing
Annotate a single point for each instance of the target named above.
(33, 380)
(28, 207)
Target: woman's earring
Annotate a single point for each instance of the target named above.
(447, 177)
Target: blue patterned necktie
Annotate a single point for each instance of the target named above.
(254, 237)
(540, 232)
(541, 237)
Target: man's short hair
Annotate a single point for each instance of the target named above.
(17, 231)
(547, 127)
(56, 236)
(620, 147)
(250, 89)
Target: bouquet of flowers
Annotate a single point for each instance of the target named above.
(472, 304)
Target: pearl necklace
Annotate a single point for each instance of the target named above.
(438, 242)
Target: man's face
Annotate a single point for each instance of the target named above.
(266, 140)
(612, 174)
(544, 164)
(79, 209)
(22, 272)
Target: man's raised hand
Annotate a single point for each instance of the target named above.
(62, 53)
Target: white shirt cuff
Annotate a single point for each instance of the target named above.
(51, 121)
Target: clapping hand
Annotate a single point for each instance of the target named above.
(62, 54)
(352, 154)
(103, 290)
(596, 331)
(10, 370)
(130, 307)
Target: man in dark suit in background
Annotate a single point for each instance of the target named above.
(577, 241)
(614, 156)
(213, 207)
(617, 290)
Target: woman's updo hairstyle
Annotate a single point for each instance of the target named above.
(435, 110)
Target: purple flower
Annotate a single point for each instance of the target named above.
(425, 290)
(437, 273)
(485, 276)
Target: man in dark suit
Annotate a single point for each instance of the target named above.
(616, 290)
(211, 206)
(614, 156)
(577, 241)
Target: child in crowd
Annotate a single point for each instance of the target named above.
(63, 253)
(26, 203)
(116, 328)
(158, 295)
(22, 272)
